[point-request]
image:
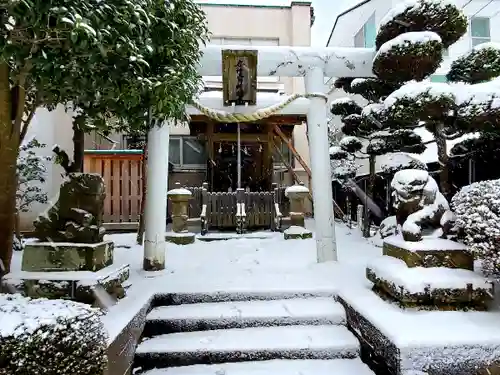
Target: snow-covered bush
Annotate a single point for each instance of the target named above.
(477, 209)
(398, 161)
(30, 172)
(50, 337)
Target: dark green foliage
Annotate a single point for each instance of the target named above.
(345, 107)
(108, 59)
(443, 18)
(404, 140)
(351, 145)
(337, 153)
(424, 102)
(372, 89)
(343, 83)
(484, 151)
(479, 65)
(351, 124)
(404, 62)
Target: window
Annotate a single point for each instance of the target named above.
(187, 152)
(438, 78)
(479, 30)
(174, 151)
(365, 37)
(285, 151)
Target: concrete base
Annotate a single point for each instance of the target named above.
(67, 256)
(398, 342)
(75, 285)
(183, 238)
(297, 233)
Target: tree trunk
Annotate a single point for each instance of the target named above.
(442, 151)
(78, 145)
(142, 222)
(369, 193)
(9, 151)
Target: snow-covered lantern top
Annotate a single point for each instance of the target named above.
(294, 190)
(297, 195)
(179, 193)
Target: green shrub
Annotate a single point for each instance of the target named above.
(50, 337)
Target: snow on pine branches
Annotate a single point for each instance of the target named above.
(477, 210)
(46, 337)
(30, 172)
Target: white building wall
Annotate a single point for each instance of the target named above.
(349, 24)
(49, 128)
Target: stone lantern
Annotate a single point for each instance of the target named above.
(179, 198)
(297, 194)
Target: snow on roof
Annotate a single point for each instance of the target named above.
(411, 38)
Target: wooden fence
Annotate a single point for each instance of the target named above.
(122, 173)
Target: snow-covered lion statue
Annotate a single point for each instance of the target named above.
(421, 210)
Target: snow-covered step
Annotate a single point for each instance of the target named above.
(239, 293)
(204, 316)
(247, 344)
(274, 367)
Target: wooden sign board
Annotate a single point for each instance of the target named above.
(239, 77)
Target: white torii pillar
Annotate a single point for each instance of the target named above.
(313, 64)
(155, 211)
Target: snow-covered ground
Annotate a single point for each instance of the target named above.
(273, 266)
(257, 263)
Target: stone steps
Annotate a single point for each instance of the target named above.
(273, 367)
(247, 344)
(243, 314)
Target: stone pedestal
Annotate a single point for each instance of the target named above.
(436, 252)
(77, 285)
(179, 198)
(69, 271)
(67, 256)
(432, 274)
(297, 195)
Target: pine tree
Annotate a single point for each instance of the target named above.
(409, 46)
(448, 111)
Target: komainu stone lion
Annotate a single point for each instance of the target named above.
(421, 210)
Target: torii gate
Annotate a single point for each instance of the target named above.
(314, 64)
